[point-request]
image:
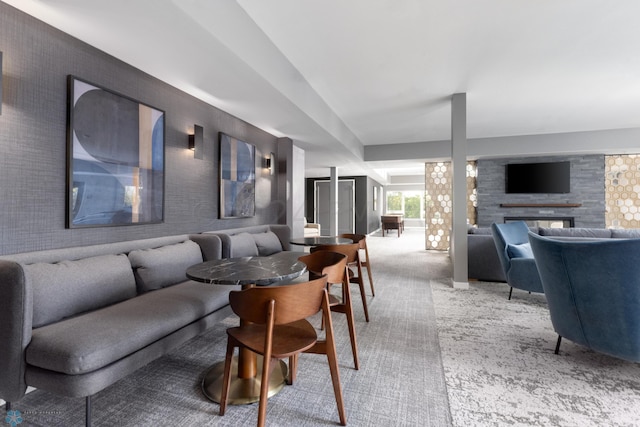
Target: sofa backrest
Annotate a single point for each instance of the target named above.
(599, 233)
(68, 281)
(258, 240)
(79, 252)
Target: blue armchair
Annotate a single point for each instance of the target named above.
(593, 292)
(514, 251)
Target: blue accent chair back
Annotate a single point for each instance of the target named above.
(593, 292)
(514, 251)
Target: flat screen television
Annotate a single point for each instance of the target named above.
(551, 177)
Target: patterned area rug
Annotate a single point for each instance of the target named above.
(501, 369)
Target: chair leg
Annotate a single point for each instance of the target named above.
(87, 414)
(368, 265)
(351, 325)
(558, 345)
(226, 379)
(510, 292)
(332, 358)
(7, 406)
(363, 296)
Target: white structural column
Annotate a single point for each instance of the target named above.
(333, 202)
(459, 190)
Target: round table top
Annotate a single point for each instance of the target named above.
(249, 270)
(321, 240)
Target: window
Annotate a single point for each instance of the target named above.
(408, 203)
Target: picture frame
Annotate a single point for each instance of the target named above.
(115, 158)
(237, 178)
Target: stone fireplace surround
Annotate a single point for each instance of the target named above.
(585, 204)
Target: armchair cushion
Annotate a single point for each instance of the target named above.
(520, 251)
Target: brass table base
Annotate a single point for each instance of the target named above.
(242, 390)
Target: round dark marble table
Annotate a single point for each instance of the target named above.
(259, 271)
(320, 240)
(246, 271)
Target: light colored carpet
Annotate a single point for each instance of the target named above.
(501, 369)
(400, 382)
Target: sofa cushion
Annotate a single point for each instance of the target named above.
(68, 288)
(165, 266)
(520, 251)
(93, 340)
(267, 243)
(242, 245)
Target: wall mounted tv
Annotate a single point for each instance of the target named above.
(552, 177)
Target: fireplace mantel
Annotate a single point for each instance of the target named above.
(540, 205)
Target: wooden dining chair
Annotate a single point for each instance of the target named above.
(334, 266)
(352, 252)
(361, 239)
(273, 324)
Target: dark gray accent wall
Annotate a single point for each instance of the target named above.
(36, 61)
(587, 188)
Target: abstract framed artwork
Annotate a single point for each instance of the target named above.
(237, 178)
(115, 158)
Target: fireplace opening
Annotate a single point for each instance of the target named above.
(544, 221)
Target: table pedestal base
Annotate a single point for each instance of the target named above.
(242, 390)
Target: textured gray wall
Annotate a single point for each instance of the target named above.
(37, 59)
(587, 187)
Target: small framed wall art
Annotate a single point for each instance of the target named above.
(237, 178)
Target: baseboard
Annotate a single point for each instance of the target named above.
(459, 285)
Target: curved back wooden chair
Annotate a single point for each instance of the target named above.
(334, 266)
(352, 252)
(274, 325)
(361, 239)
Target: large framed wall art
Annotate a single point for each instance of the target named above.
(115, 158)
(237, 178)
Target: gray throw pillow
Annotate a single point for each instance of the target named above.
(267, 243)
(68, 288)
(165, 266)
(243, 245)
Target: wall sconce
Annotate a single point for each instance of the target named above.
(270, 163)
(196, 142)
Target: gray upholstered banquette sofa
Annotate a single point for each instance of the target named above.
(483, 261)
(76, 320)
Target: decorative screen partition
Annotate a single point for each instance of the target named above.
(439, 207)
(622, 191)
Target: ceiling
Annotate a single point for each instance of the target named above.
(337, 76)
